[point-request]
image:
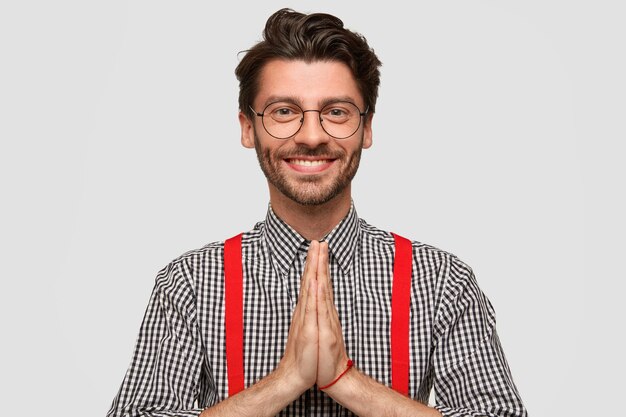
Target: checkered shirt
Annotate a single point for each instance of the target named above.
(179, 366)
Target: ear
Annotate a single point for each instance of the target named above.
(247, 131)
(367, 131)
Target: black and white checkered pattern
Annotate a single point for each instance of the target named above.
(179, 364)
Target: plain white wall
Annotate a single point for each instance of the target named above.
(499, 137)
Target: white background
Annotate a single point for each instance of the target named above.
(499, 137)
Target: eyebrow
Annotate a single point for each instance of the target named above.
(298, 100)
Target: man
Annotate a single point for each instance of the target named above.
(315, 312)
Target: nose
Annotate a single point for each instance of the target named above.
(311, 133)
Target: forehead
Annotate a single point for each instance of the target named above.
(308, 83)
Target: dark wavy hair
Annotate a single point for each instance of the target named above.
(309, 37)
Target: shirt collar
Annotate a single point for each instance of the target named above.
(342, 240)
(284, 242)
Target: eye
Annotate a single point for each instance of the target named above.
(283, 112)
(339, 112)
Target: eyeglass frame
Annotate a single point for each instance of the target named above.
(262, 116)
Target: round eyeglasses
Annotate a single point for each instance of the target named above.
(282, 120)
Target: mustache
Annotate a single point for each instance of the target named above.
(300, 150)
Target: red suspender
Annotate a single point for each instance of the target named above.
(233, 295)
(400, 314)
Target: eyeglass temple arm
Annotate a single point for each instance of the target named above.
(255, 112)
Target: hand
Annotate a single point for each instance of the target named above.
(301, 352)
(333, 357)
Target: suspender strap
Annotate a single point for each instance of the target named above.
(233, 293)
(400, 314)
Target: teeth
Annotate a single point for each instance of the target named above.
(308, 163)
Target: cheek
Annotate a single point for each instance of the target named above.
(267, 153)
(355, 149)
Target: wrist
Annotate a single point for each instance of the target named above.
(345, 385)
(349, 365)
(365, 396)
(290, 380)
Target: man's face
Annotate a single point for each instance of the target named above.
(311, 167)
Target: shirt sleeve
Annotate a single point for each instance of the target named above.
(472, 377)
(162, 379)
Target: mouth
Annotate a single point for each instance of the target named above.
(309, 165)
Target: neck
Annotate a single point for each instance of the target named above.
(311, 222)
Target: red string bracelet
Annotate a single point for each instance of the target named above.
(348, 366)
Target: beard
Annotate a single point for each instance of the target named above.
(313, 189)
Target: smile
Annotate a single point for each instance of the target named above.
(308, 163)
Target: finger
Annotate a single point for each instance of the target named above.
(323, 306)
(324, 271)
(322, 278)
(326, 305)
(308, 277)
(312, 261)
(310, 267)
(322, 263)
(322, 310)
(310, 317)
(323, 274)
